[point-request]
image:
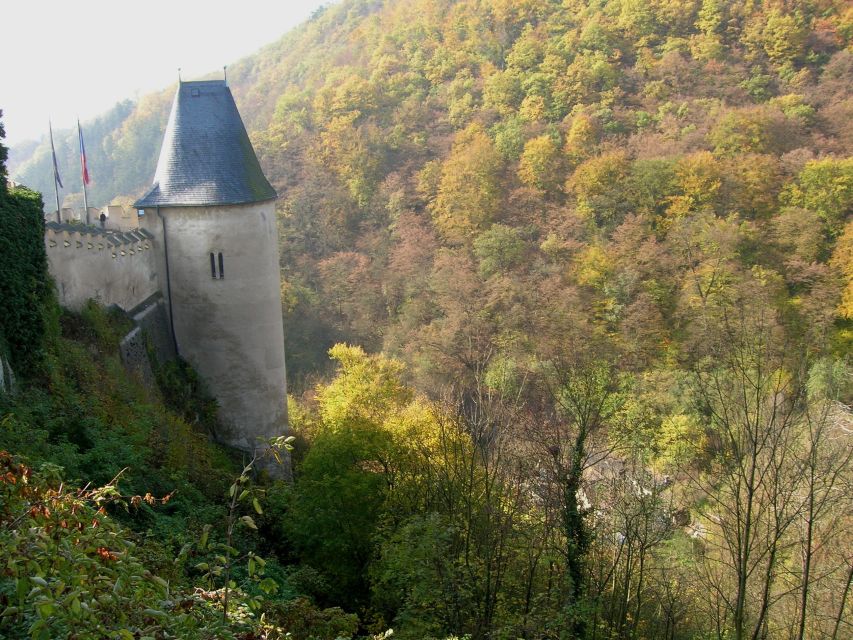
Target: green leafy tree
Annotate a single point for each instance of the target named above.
(596, 185)
(343, 483)
(502, 91)
(780, 35)
(509, 137)
(498, 249)
(753, 130)
(826, 187)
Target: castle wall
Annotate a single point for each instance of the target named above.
(229, 328)
(149, 343)
(109, 267)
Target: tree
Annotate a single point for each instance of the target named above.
(596, 186)
(825, 453)
(498, 249)
(469, 190)
(575, 391)
(540, 166)
(343, 482)
(502, 91)
(749, 385)
(753, 130)
(635, 517)
(509, 137)
(781, 36)
(842, 260)
(755, 183)
(699, 179)
(4, 155)
(582, 138)
(352, 295)
(799, 234)
(449, 566)
(826, 187)
(585, 396)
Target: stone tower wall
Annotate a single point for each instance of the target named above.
(228, 328)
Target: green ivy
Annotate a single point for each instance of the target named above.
(25, 300)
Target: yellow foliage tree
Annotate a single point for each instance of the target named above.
(826, 187)
(540, 166)
(842, 260)
(782, 35)
(597, 185)
(369, 397)
(699, 178)
(367, 387)
(469, 190)
(593, 267)
(582, 138)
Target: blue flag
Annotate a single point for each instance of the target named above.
(53, 151)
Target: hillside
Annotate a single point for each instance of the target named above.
(364, 115)
(598, 257)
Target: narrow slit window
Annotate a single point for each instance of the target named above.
(221, 267)
(212, 267)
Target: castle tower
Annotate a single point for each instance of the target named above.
(212, 213)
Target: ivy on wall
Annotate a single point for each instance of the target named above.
(24, 283)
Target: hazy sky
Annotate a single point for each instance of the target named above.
(65, 58)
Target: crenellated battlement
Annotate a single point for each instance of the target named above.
(91, 238)
(107, 265)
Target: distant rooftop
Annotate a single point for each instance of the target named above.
(206, 157)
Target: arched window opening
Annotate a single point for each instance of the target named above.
(221, 267)
(212, 267)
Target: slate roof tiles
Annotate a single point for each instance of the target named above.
(206, 158)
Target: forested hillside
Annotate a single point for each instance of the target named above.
(605, 158)
(598, 257)
(399, 132)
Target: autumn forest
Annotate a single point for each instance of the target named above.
(568, 302)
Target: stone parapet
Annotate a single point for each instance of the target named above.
(111, 267)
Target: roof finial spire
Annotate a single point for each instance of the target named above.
(225, 74)
(179, 75)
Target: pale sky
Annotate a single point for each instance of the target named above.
(64, 58)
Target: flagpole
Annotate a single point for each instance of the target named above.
(58, 209)
(55, 176)
(83, 171)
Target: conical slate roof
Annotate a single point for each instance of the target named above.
(206, 158)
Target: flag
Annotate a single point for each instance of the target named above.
(83, 156)
(55, 164)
